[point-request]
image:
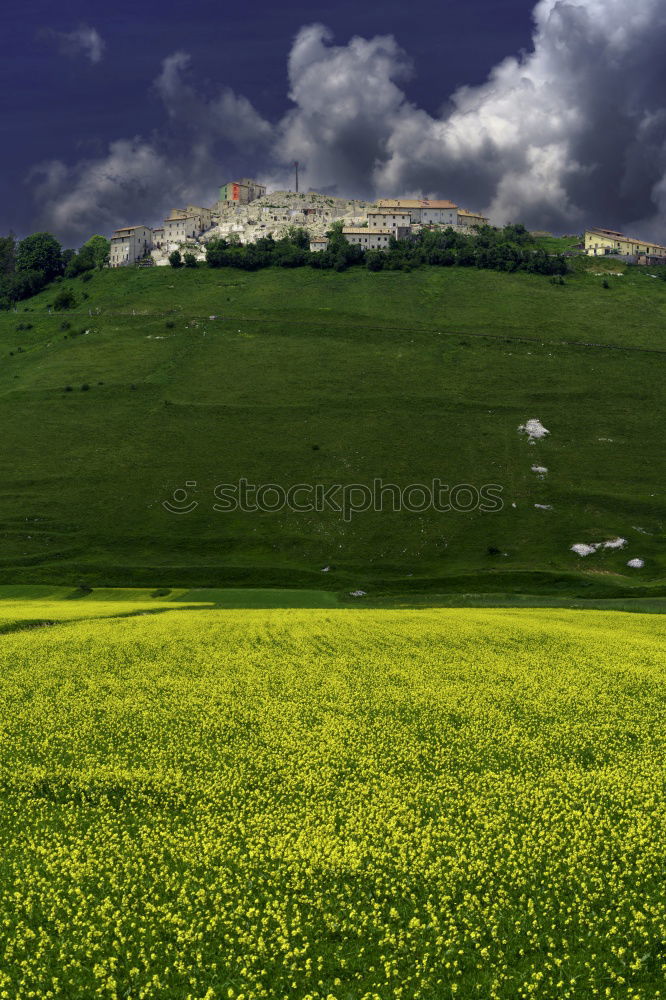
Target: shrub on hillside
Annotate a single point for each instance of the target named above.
(175, 259)
(65, 299)
(189, 260)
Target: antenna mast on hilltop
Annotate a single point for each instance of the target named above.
(296, 173)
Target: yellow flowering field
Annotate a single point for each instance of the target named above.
(334, 805)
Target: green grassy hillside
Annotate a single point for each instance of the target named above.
(319, 377)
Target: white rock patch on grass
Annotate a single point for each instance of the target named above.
(636, 563)
(581, 549)
(534, 429)
(615, 543)
(585, 549)
(543, 506)
(540, 470)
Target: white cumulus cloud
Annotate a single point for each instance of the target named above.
(84, 40)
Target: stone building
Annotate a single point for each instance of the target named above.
(318, 243)
(204, 216)
(469, 219)
(427, 211)
(369, 239)
(187, 223)
(130, 244)
(390, 218)
(242, 192)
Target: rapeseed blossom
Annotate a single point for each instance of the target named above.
(334, 805)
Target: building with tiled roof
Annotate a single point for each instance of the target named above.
(369, 239)
(599, 242)
(130, 244)
(427, 211)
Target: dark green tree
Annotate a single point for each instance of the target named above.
(335, 238)
(20, 285)
(40, 252)
(217, 253)
(374, 260)
(67, 256)
(175, 259)
(288, 254)
(7, 253)
(299, 237)
(97, 248)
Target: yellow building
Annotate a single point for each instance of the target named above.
(599, 242)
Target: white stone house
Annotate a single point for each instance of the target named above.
(129, 244)
(187, 223)
(369, 239)
(427, 211)
(389, 218)
(203, 215)
(318, 243)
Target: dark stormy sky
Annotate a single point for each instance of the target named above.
(550, 112)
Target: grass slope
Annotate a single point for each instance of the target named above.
(309, 377)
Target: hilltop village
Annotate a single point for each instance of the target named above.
(245, 213)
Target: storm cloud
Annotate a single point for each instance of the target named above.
(569, 133)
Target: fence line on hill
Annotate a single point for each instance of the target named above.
(507, 338)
